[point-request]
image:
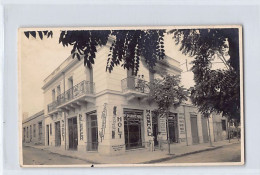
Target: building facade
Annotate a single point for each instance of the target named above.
(94, 110)
(33, 129)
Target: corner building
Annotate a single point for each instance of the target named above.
(94, 110)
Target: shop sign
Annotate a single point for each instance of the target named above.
(162, 121)
(119, 126)
(181, 122)
(149, 125)
(103, 123)
(62, 129)
(80, 127)
(114, 122)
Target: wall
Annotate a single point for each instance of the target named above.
(35, 139)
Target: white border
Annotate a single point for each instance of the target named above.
(211, 12)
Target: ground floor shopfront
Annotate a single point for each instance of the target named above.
(114, 127)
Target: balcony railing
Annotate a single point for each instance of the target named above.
(52, 106)
(82, 88)
(135, 84)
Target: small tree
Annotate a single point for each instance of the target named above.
(167, 93)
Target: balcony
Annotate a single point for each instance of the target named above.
(134, 87)
(76, 96)
(52, 107)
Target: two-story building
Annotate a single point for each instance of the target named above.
(94, 110)
(33, 129)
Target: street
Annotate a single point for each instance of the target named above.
(230, 153)
(33, 156)
(227, 153)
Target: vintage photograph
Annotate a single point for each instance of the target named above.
(131, 96)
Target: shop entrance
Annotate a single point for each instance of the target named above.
(205, 129)
(73, 133)
(92, 132)
(23, 134)
(194, 129)
(48, 135)
(133, 127)
(155, 128)
(173, 128)
(57, 134)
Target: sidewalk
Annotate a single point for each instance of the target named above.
(137, 156)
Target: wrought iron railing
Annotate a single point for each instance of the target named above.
(52, 106)
(135, 84)
(84, 87)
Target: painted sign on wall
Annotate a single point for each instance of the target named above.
(103, 124)
(182, 132)
(162, 121)
(62, 129)
(80, 127)
(149, 124)
(119, 126)
(114, 122)
(117, 147)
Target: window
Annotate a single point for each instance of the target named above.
(50, 130)
(70, 82)
(34, 130)
(40, 130)
(58, 90)
(53, 95)
(30, 131)
(224, 127)
(24, 132)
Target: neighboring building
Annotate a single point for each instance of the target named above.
(94, 110)
(33, 129)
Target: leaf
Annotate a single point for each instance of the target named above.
(40, 34)
(27, 34)
(33, 33)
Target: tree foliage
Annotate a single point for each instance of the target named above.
(215, 90)
(126, 49)
(167, 93)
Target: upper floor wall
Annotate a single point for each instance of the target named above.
(72, 75)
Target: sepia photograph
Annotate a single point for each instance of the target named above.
(131, 96)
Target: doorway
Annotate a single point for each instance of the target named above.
(133, 122)
(194, 129)
(205, 129)
(173, 128)
(92, 132)
(73, 133)
(57, 134)
(155, 128)
(48, 135)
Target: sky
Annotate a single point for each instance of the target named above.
(40, 57)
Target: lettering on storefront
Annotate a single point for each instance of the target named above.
(119, 126)
(162, 121)
(149, 125)
(114, 123)
(181, 123)
(117, 147)
(103, 124)
(80, 127)
(62, 129)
